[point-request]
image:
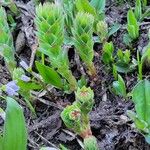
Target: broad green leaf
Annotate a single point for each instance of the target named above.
(141, 99)
(49, 75)
(84, 6)
(15, 132)
(119, 87)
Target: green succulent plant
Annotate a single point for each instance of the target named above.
(76, 117)
(71, 116)
(85, 99)
(82, 32)
(6, 42)
(102, 31)
(90, 143)
(50, 32)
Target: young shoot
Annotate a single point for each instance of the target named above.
(107, 56)
(132, 25)
(50, 32)
(83, 32)
(76, 117)
(102, 31)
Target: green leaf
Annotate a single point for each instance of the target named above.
(107, 56)
(141, 99)
(82, 82)
(49, 75)
(62, 147)
(140, 124)
(124, 64)
(146, 14)
(27, 86)
(99, 5)
(1, 142)
(27, 98)
(131, 18)
(119, 87)
(127, 39)
(15, 132)
(114, 29)
(133, 26)
(84, 6)
(123, 68)
(138, 9)
(147, 138)
(145, 2)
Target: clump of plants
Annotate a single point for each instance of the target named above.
(60, 26)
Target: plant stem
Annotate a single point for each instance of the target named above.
(92, 70)
(43, 58)
(140, 67)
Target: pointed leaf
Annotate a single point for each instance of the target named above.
(99, 5)
(114, 29)
(84, 6)
(49, 75)
(119, 87)
(15, 132)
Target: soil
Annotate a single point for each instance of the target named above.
(109, 121)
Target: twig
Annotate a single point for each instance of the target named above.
(45, 140)
(50, 103)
